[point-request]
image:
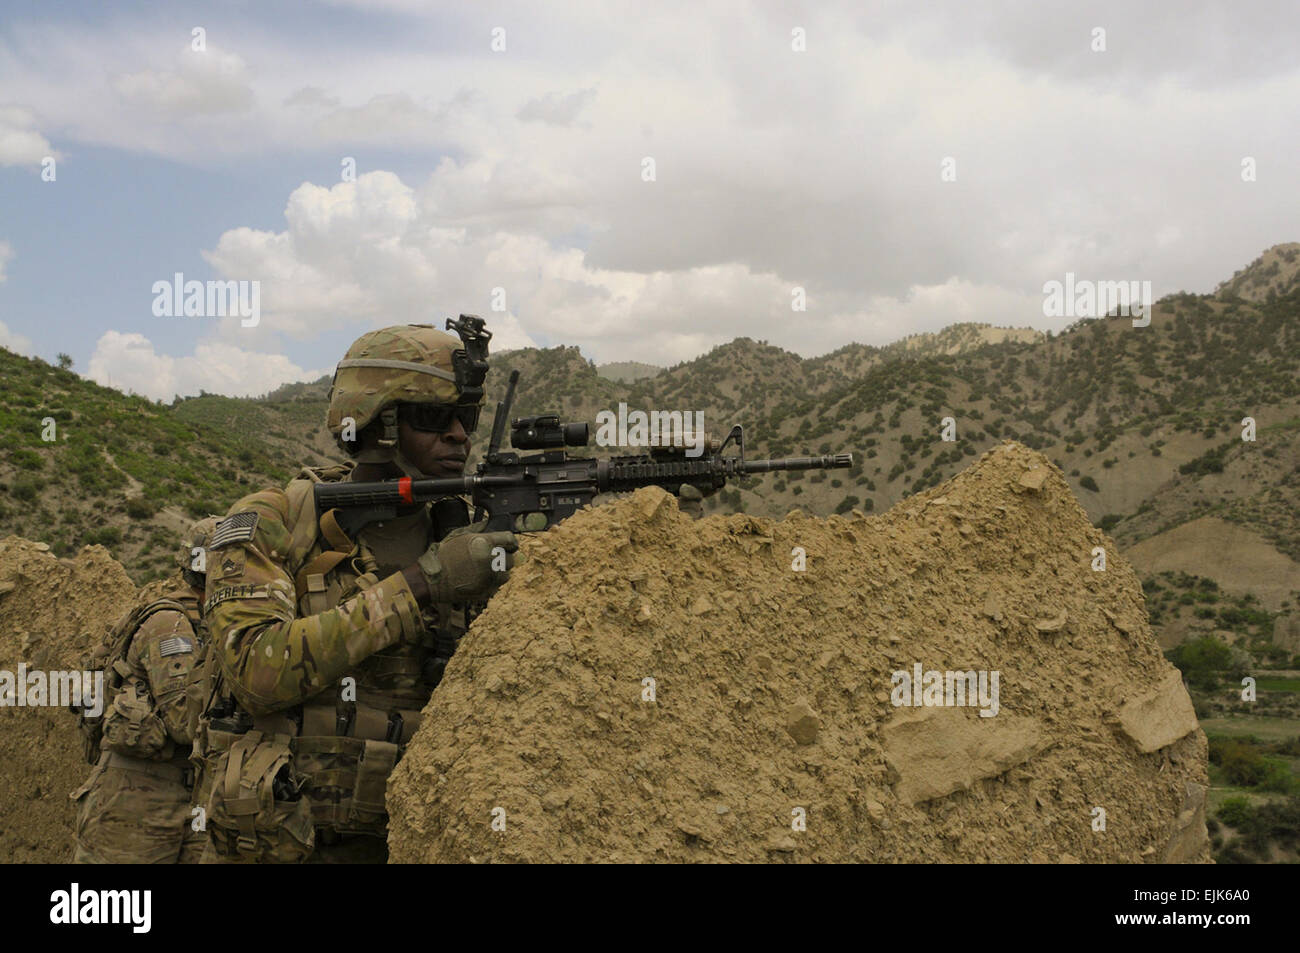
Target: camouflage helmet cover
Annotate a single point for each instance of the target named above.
(196, 538)
(410, 363)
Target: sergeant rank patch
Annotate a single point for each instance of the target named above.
(234, 529)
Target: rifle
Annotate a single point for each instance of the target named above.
(509, 487)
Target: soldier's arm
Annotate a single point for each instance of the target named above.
(271, 658)
(163, 650)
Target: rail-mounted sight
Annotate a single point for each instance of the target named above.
(546, 432)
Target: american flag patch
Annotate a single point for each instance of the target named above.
(233, 529)
(175, 646)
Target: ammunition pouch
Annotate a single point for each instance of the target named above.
(132, 727)
(255, 808)
(348, 779)
(347, 752)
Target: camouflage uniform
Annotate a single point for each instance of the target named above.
(135, 806)
(327, 658)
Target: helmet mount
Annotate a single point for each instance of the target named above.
(470, 362)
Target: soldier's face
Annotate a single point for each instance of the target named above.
(435, 454)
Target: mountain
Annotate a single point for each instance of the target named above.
(1145, 422)
(627, 371)
(1273, 273)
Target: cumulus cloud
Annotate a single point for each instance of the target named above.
(775, 169)
(372, 251)
(129, 362)
(14, 341)
(359, 253)
(391, 118)
(312, 97)
(11, 339)
(202, 82)
(20, 142)
(555, 108)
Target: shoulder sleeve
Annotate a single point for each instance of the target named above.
(162, 653)
(271, 658)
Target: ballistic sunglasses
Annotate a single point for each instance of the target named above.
(438, 418)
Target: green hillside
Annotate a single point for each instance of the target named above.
(121, 470)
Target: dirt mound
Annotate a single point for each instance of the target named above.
(774, 692)
(50, 609)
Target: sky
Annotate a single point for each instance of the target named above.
(376, 162)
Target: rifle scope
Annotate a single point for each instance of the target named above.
(546, 432)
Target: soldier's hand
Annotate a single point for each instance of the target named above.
(467, 529)
(468, 567)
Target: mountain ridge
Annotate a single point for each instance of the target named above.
(1145, 422)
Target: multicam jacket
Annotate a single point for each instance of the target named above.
(320, 638)
(162, 653)
(135, 805)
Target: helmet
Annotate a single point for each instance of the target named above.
(410, 363)
(196, 538)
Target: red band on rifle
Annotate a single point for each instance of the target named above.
(404, 490)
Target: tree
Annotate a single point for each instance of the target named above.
(65, 361)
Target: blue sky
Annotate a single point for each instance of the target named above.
(94, 242)
(519, 171)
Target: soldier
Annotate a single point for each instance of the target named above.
(135, 806)
(330, 646)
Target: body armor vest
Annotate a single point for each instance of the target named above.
(344, 742)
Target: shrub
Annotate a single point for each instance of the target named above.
(1276, 776)
(1236, 811)
(1260, 829)
(27, 460)
(1088, 483)
(1209, 462)
(108, 536)
(140, 508)
(1203, 660)
(26, 488)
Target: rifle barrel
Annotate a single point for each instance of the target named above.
(833, 461)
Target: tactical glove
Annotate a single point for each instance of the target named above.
(461, 568)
